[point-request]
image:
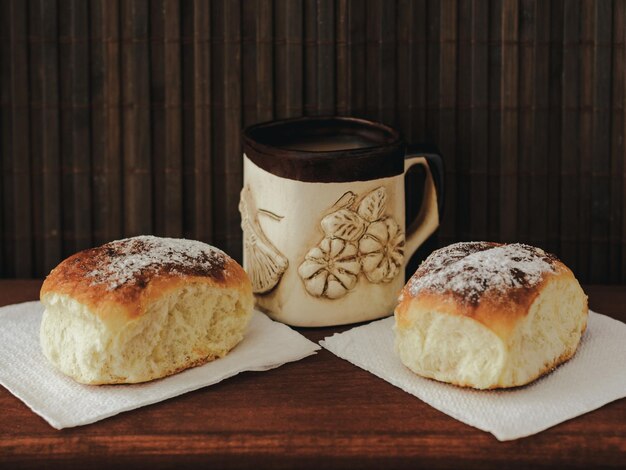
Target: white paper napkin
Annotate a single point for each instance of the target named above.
(63, 403)
(595, 376)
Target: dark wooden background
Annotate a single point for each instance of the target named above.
(122, 117)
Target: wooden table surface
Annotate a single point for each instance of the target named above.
(321, 412)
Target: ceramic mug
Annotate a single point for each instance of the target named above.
(323, 217)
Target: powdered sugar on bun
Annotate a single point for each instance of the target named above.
(133, 260)
(124, 270)
(469, 270)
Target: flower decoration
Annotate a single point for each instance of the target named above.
(358, 237)
(331, 268)
(382, 250)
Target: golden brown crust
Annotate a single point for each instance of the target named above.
(498, 309)
(90, 276)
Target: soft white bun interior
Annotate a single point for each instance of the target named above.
(187, 326)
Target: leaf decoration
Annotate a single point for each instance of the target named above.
(265, 264)
(346, 200)
(372, 206)
(344, 224)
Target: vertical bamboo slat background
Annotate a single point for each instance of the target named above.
(119, 118)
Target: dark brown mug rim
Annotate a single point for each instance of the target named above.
(359, 164)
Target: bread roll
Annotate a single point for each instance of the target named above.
(486, 315)
(142, 308)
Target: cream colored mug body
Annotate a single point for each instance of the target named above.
(323, 217)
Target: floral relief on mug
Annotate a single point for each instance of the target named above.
(265, 264)
(359, 238)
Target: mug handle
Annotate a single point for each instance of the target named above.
(429, 215)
